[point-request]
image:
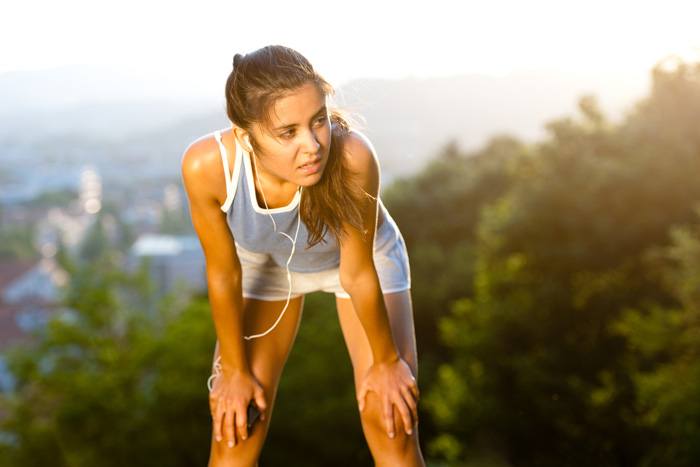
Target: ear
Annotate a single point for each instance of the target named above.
(242, 138)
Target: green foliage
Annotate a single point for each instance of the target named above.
(109, 382)
(175, 222)
(61, 198)
(16, 242)
(438, 211)
(665, 343)
(121, 380)
(568, 349)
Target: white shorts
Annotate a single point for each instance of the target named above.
(265, 280)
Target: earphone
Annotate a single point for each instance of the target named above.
(217, 364)
(293, 240)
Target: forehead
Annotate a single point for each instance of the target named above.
(297, 106)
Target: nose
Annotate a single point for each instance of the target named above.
(311, 143)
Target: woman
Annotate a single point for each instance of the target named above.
(298, 169)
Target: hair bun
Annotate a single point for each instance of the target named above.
(237, 59)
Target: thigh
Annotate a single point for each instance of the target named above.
(266, 356)
(400, 311)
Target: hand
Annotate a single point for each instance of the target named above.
(394, 383)
(228, 403)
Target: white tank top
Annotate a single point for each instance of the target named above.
(253, 229)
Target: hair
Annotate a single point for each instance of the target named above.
(257, 80)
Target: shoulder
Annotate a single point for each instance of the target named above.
(201, 166)
(200, 154)
(361, 156)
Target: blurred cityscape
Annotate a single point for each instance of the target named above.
(70, 210)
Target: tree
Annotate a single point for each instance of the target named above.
(537, 369)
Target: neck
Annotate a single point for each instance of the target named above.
(273, 183)
(274, 197)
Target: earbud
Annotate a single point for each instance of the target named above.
(247, 140)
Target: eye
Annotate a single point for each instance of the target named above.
(290, 133)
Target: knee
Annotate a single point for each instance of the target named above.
(240, 455)
(244, 453)
(376, 430)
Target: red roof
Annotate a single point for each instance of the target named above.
(9, 272)
(14, 269)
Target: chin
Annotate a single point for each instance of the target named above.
(311, 180)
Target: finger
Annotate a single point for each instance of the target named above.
(260, 402)
(212, 403)
(408, 397)
(361, 398)
(228, 425)
(218, 416)
(413, 386)
(389, 416)
(405, 413)
(242, 421)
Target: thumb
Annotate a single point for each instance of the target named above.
(361, 398)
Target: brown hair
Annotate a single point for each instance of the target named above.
(256, 81)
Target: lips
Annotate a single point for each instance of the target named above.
(310, 163)
(311, 168)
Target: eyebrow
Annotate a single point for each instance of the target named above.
(292, 125)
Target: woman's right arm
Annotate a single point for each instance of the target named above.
(223, 268)
(236, 386)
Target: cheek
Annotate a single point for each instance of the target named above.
(281, 163)
(326, 136)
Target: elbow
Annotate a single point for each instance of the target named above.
(347, 283)
(350, 282)
(225, 279)
(347, 279)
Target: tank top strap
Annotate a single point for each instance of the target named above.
(231, 180)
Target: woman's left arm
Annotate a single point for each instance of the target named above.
(389, 376)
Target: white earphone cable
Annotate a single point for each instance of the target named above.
(217, 363)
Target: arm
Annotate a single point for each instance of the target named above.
(389, 375)
(223, 268)
(358, 275)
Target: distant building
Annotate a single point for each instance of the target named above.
(10, 272)
(29, 295)
(29, 291)
(175, 260)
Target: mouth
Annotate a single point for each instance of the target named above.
(311, 167)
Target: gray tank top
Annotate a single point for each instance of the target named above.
(253, 230)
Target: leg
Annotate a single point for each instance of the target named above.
(403, 449)
(267, 356)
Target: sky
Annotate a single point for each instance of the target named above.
(193, 42)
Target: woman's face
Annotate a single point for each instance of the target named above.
(299, 133)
